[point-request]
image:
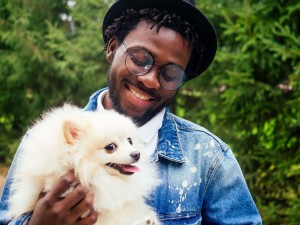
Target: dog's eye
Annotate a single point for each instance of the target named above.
(129, 140)
(111, 147)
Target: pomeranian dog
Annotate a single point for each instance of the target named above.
(103, 150)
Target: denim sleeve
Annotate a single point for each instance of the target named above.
(227, 198)
(4, 219)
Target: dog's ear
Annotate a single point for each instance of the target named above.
(72, 132)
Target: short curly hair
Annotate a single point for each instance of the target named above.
(162, 18)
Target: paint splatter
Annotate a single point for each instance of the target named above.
(197, 146)
(181, 192)
(178, 209)
(194, 169)
(208, 154)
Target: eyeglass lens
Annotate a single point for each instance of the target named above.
(139, 62)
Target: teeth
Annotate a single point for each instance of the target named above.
(139, 95)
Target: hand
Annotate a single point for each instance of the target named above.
(52, 209)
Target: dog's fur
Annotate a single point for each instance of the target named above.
(91, 144)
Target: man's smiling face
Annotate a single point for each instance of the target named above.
(142, 97)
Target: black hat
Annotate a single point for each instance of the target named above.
(186, 9)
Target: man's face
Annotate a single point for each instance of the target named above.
(142, 97)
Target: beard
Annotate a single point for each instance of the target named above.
(114, 95)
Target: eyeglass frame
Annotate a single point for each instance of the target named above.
(184, 76)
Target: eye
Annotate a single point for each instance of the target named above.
(141, 58)
(172, 73)
(129, 140)
(167, 78)
(140, 62)
(110, 147)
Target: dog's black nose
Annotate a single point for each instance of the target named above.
(135, 155)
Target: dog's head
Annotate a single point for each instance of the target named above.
(105, 140)
(107, 157)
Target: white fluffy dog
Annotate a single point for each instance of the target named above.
(103, 150)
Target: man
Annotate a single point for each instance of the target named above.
(153, 47)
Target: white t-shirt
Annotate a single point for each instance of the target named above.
(148, 133)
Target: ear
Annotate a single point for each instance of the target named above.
(111, 48)
(72, 132)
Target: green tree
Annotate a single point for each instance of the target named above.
(250, 97)
(50, 52)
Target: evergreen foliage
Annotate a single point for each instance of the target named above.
(51, 52)
(251, 98)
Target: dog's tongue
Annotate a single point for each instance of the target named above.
(130, 168)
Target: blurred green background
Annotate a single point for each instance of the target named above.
(51, 51)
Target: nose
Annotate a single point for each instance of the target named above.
(135, 155)
(150, 79)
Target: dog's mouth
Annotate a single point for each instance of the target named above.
(125, 169)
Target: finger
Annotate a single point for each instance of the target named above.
(63, 184)
(83, 206)
(89, 219)
(75, 197)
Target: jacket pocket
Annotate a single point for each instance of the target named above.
(184, 218)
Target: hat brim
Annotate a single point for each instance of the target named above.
(188, 11)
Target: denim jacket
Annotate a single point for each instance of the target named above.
(202, 181)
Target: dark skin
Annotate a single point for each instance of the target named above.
(51, 209)
(142, 97)
(137, 97)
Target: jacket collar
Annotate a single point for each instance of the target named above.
(168, 146)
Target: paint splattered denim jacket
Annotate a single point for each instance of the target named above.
(202, 181)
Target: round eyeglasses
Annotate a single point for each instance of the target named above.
(139, 62)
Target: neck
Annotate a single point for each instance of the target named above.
(106, 101)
